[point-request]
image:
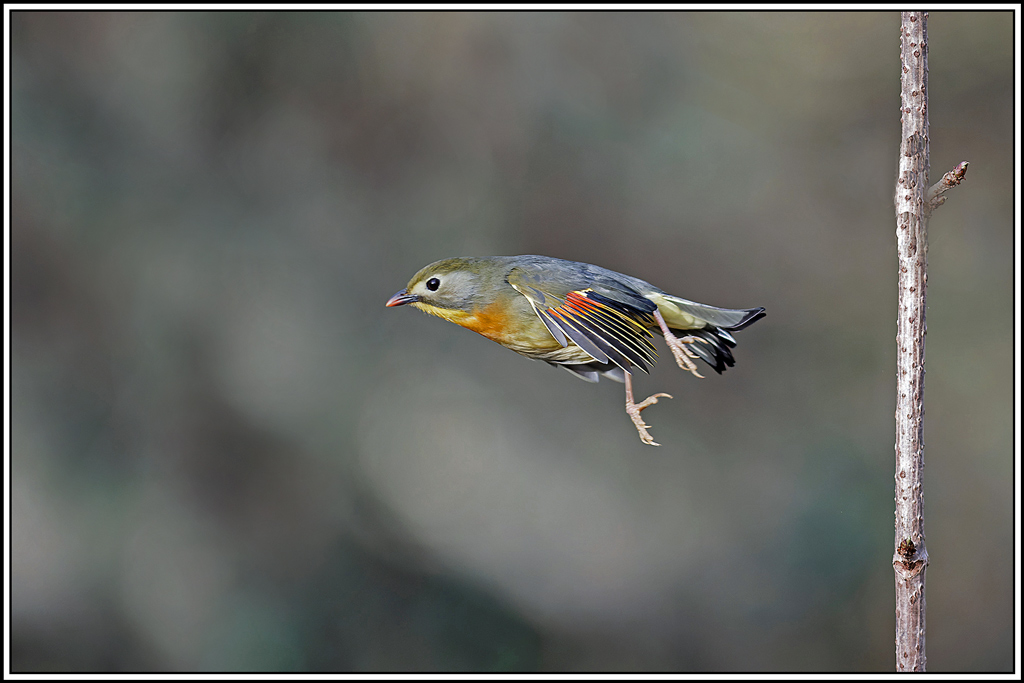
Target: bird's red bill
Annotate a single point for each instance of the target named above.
(401, 298)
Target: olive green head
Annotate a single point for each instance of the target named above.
(454, 284)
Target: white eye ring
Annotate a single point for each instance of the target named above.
(433, 283)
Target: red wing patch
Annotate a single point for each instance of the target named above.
(606, 331)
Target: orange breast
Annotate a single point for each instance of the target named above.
(492, 322)
(502, 322)
(515, 329)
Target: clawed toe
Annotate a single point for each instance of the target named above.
(678, 346)
(641, 428)
(647, 402)
(633, 410)
(683, 355)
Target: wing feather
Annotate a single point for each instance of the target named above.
(583, 327)
(609, 331)
(619, 327)
(619, 339)
(573, 330)
(552, 326)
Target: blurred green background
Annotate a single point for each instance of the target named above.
(227, 455)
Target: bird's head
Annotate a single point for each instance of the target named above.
(450, 288)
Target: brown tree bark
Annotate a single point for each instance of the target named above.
(914, 203)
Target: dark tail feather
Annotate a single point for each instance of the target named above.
(716, 342)
(752, 316)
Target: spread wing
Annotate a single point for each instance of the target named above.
(610, 325)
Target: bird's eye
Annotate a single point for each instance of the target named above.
(433, 283)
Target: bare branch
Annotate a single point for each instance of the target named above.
(914, 203)
(936, 193)
(910, 558)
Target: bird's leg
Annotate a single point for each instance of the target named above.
(677, 345)
(633, 410)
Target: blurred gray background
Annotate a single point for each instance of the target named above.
(227, 455)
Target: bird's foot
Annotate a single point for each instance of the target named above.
(677, 345)
(683, 355)
(633, 410)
